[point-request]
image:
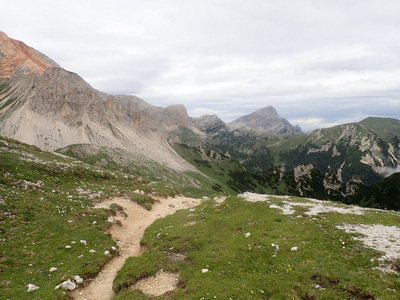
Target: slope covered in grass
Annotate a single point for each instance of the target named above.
(47, 220)
(278, 248)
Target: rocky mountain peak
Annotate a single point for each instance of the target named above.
(179, 114)
(266, 119)
(209, 123)
(18, 58)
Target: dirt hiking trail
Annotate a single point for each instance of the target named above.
(128, 237)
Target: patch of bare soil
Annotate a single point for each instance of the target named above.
(128, 235)
(157, 285)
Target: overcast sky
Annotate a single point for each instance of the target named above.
(319, 63)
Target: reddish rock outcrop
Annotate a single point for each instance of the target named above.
(17, 57)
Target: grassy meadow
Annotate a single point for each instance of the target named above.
(236, 249)
(248, 250)
(47, 220)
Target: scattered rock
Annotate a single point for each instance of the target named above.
(204, 270)
(84, 242)
(276, 246)
(32, 287)
(67, 285)
(294, 249)
(78, 279)
(248, 234)
(92, 251)
(107, 253)
(53, 269)
(68, 247)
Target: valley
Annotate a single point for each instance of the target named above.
(105, 196)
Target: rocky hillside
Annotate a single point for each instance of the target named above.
(267, 120)
(42, 104)
(47, 106)
(355, 150)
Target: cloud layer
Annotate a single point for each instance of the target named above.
(319, 63)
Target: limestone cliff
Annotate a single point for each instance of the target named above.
(47, 106)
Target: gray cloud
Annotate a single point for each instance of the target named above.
(318, 62)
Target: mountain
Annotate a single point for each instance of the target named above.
(266, 119)
(17, 58)
(42, 104)
(47, 106)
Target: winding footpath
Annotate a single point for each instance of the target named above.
(128, 237)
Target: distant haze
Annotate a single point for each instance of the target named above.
(319, 63)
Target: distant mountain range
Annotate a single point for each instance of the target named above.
(44, 105)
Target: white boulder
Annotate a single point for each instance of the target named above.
(32, 287)
(78, 279)
(67, 285)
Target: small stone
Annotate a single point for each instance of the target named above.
(68, 247)
(84, 242)
(53, 269)
(294, 249)
(78, 279)
(248, 234)
(32, 287)
(107, 253)
(67, 285)
(204, 270)
(92, 251)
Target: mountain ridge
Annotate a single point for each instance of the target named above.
(44, 105)
(266, 119)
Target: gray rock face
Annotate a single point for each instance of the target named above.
(266, 119)
(209, 124)
(47, 106)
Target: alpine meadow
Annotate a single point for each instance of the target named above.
(109, 197)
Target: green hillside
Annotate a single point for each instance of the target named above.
(45, 206)
(46, 202)
(250, 250)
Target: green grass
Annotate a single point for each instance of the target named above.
(329, 264)
(45, 205)
(223, 176)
